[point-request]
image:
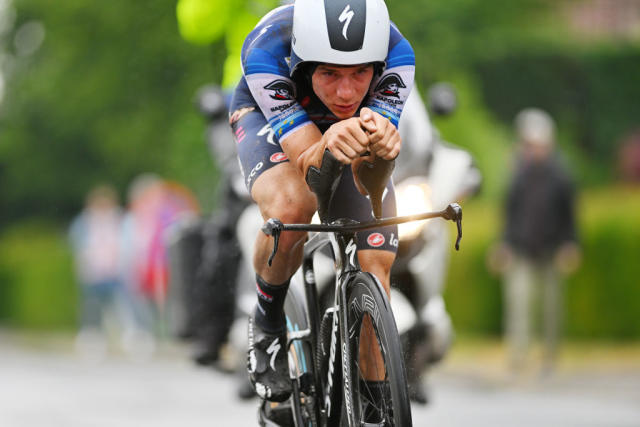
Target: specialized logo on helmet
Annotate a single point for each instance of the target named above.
(346, 15)
(282, 90)
(390, 85)
(278, 157)
(346, 23)
(375, 239)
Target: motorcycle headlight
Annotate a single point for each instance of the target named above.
(413, 196)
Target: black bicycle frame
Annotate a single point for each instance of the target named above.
(346, 262)
(343, 241)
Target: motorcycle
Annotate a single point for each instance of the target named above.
(205, 254)
(430, 173)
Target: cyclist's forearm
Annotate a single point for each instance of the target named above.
(299, 142)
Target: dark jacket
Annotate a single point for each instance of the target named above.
(539, 209)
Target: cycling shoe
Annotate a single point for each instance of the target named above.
(268, 364)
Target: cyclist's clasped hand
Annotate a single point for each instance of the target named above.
(346, 140)
(350, 138)
(384, 138)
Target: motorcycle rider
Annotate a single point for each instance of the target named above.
(445, 174)
(333, 76)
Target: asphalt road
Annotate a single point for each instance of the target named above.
(50, 386)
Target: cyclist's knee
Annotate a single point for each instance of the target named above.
(281, 193)
(284, 195)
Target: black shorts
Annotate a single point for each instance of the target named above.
(259, 150)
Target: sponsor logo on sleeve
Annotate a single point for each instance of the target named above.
(278, 157)
(375, 240)
(282, 90)
(254, 172)
(390, 85)
(267, 130)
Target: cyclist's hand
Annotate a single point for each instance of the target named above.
(384, 138)
(346, 140)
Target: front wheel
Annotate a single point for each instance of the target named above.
(375, 386)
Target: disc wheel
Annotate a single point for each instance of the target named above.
(375, 386)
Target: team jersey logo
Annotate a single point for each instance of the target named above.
(375, 239)
(282, 90)
(390, 85)
(278, 157)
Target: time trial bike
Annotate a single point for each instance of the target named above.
(330, 348)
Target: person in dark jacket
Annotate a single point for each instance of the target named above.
(540, 243)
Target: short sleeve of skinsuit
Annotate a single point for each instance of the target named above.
(265, 55)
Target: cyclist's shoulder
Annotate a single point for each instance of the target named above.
(399, 47)
(271, 37)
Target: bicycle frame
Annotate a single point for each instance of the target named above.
(342, 239)
(346, 262)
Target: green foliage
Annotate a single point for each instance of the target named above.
(107, 96)
(475, 129)
(37, 288)
(448, 35)
(592, 94)
(602, 297)
(473, 297)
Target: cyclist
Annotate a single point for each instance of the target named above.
(318, 75)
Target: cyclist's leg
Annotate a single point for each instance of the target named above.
(378, 263)
(277, 187)
(280, 192)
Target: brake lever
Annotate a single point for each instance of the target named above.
(273, 227)
(454, 213)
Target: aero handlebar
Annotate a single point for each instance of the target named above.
(273, 226)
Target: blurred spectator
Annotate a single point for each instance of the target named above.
(94, 236)
(137, 230)
(154, 206)
(539, 240)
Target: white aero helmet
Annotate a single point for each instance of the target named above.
(343, 32)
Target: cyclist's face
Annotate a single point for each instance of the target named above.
(341, 88)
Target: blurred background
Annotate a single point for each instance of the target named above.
(97, 101)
